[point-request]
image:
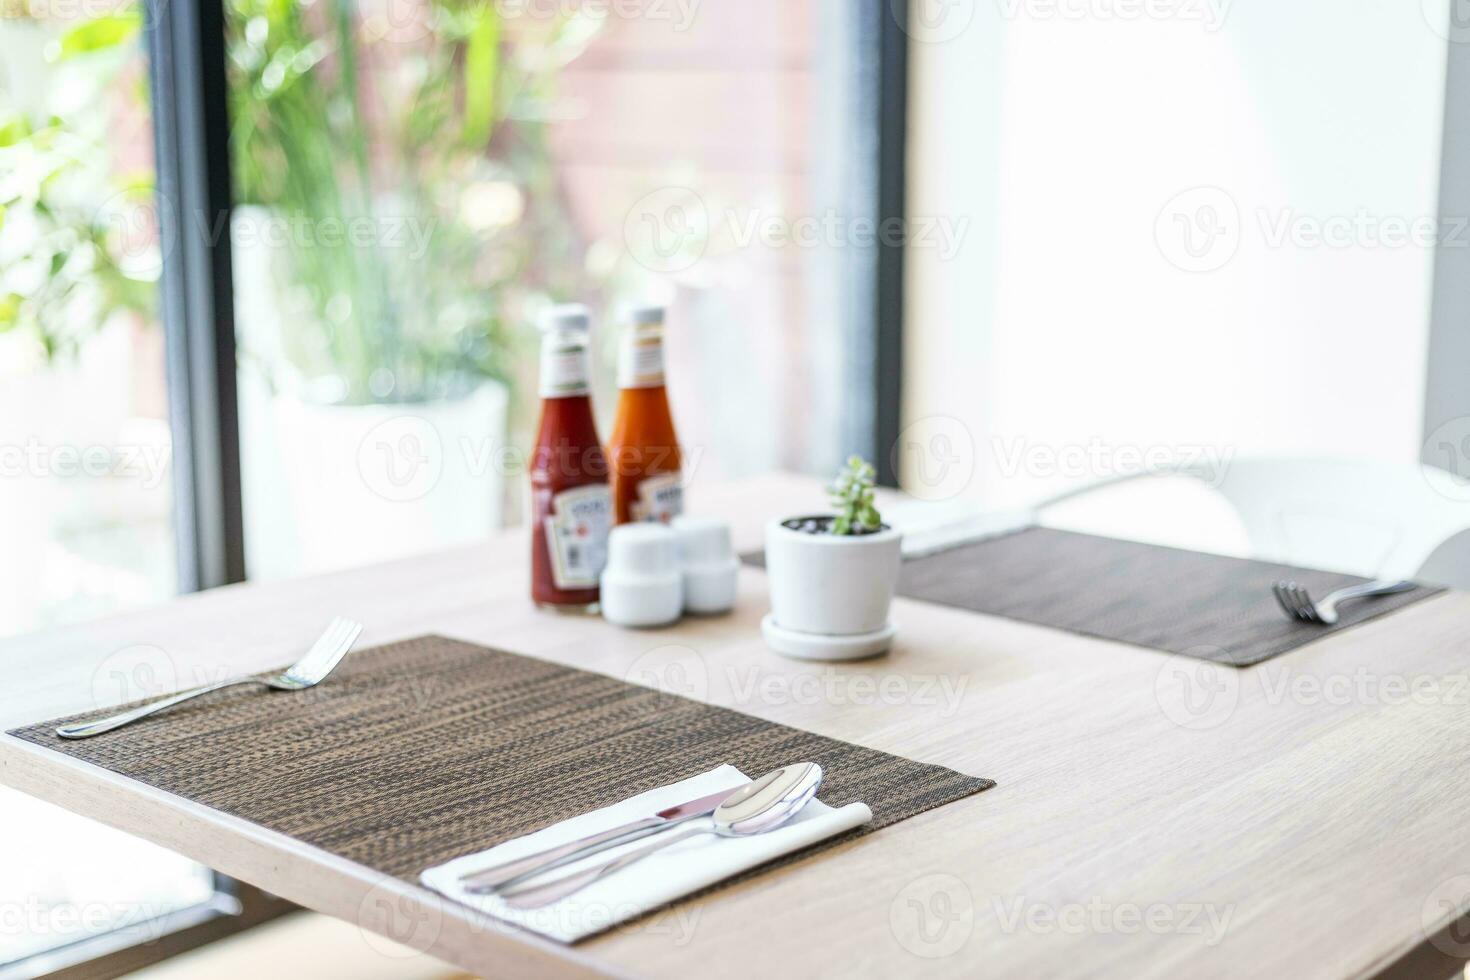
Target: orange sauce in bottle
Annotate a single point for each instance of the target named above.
(570, 501)
(646, 467)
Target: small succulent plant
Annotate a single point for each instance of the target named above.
(852, 496)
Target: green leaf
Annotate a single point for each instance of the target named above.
(139, 183)
(12, 131)
(481, 66)
(9, 312)
(101, 34)
(853, 496)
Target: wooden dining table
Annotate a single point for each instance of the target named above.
(1305, 819)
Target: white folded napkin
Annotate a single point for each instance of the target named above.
(929, 528)
(694, 863)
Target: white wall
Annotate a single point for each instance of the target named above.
(1070, 321)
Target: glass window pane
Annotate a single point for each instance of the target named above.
(416, 180)
(85, 493)
(84, 443)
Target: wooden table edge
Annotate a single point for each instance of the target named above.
(249, 852)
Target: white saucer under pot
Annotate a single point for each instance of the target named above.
(826, 647)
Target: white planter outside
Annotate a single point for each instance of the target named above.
(330, 486)
(334, 486)
(831, 585)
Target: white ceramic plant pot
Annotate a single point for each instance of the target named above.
(826, 588)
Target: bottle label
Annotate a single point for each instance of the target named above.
(576, 535)
(660, 498)
(563, 370)
(642, 363)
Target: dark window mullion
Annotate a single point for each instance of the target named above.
(187, 68)
(876, 194)
(892, 191)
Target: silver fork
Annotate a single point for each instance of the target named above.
(323, 657)
(1298, 605)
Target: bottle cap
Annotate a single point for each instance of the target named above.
(565, 372)
(647, 315)
(568, 316)
(641, 363)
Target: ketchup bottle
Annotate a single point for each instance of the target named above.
(570, 500)
(644, 449)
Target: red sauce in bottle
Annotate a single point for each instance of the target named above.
(571, 503)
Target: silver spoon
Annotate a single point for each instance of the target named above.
(762, 805)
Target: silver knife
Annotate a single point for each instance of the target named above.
(502, 875)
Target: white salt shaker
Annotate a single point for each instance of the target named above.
(710, 566)
(642, 584)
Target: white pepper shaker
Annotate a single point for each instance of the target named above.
(711, 569)
(642, 584)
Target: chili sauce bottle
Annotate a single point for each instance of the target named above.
(570, 499)
(643, 453)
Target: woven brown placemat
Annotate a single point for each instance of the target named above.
(1206, 606)
(418, 752)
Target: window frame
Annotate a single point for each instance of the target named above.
(1446, 396)
(185, 47)
(890, 121)
(234, 908)
(186, 52)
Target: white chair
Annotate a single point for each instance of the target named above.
(1449, 565)
(1364, 518)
